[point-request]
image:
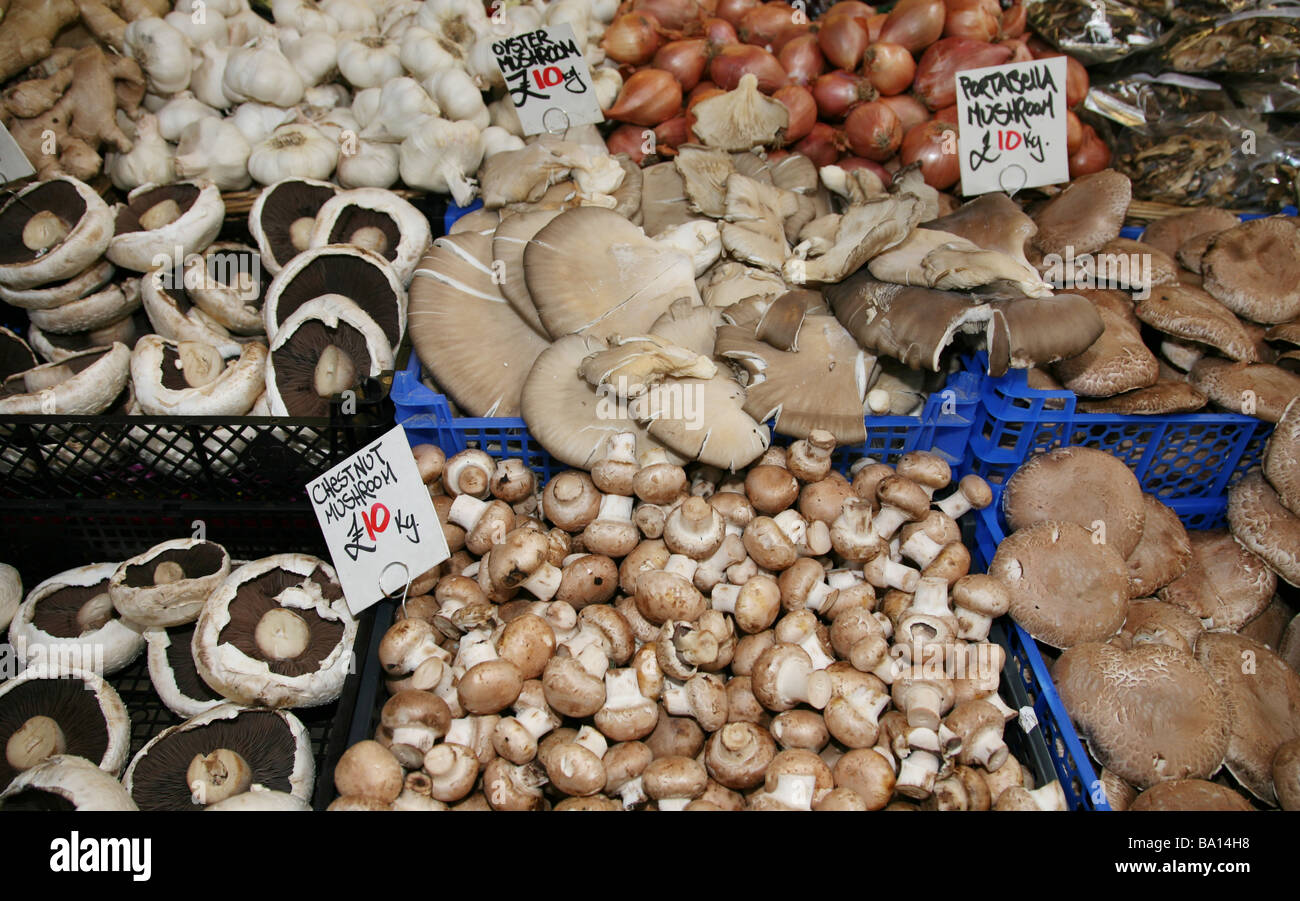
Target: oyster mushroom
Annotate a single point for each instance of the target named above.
(704, 173)
(754, 227)
(508, 243)
(283, 217)
(161, 224)
(705, 420)
(276, 633)
(70, 616)
(992, 222)
(168, 584)
(863, 231)
(740, 119)
(939, 259)
(51, 232)
(377, 220)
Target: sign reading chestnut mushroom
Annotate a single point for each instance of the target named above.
(548, 79)
(378, 520)
(1011, 122)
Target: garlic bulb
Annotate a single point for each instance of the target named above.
(225, 7)
(369, 61)
(498, 140)
(326, 96)
(256, 121)
(201, 27)
(148, 162)
(314, 54)
(162, 52)
(458, 97)
(297, 149)
(502, 114)
(398, 18)
(462, 22)
(576, 13)
(607, 82)
(209, 70)
(339, 125)
(259, 71)
(303, 15)
(482, 65)
(604, 10)
(352, 15)
(372, 165)
(365, 106)
(247, 26)
(214, 149)
(402, 104)
(179, 112)
(440, 155)
(422, 53)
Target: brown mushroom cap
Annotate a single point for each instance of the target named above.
(282, 217)
(1189, 313)
(1164, 397)
(1080, 485)
(1239, 387)
(1116, 362)
(1286, 775)
(1030, 331)
(1086, 215)
(1260, 522)
(1254, 269)
(1158, 622)
(1065, 588)
(1149, 714)
(1262, 696)
(1189, 794)
(1282, 457)
(1169, 233)
(1163, 553)
(1225, 585)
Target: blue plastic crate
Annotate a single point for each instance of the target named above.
(1176, 456)
(943, 426)
(1078, 778)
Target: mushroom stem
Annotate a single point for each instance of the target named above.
(163, 213)
(200, 363)
(300, 232)
(35, 740)
(335, 372)
(95, 613)
(43, 231)
(282, 634)
(217, 776)
(168, 572)
(370, 238)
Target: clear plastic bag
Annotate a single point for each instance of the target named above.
(1194, 10)
(1246, 43)
(1274, 91)
(1094, 31)
(1136, 99)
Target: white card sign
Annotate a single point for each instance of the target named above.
(378, 520)
(548, 79)
(13, 162)
(1012, 124)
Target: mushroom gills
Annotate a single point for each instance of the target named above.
(74, 610)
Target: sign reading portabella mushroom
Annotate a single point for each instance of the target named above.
(548, 79)
(378, 520)
(1012, 126)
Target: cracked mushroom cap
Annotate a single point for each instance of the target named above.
(174, 315)
(86, 383)
(1262, 525)
(49, 711)
(1189, 794)
(1243, 387)
(754, 227)
(704, 172)
(15, 355)
(378, 220)
(692, 327)
(821, 384)
(740, 119)
(1024, 332)
(939, 259)
(227, 283)
(328, 346)
(363, 277)
(65, 782)
(1171, 232)
(508, 244)
(1065, 588)
(1086, 215)
(865, 230)
(1158, 622)
(1080, 485)
(1189, 313)
(591, 271)
(283, 217)
(1254, 269)
(663, 199)
(1163, 553)
(1282, 457)
(1262, 695)
(1149, 714)
(1116, 362)
(175, 675)
(162, 223)
(168, 584)
(474, 344)
(221, 754)
(52, 231)
(277, 633)
(72, 614)
(94, 311)
(1225, 585)
(704, 420)
(192, 379)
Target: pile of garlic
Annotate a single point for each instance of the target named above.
(364, 92)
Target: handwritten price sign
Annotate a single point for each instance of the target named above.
(378, 520)
(1012, 124)
(548, 79)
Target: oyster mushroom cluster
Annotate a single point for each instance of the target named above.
(1153, 623)
(229, 650)
(788, 637)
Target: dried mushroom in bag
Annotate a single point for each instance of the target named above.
(1193, 10)
(1136, 99)
(1245, 43)
(1275, 90)
(1094, 31)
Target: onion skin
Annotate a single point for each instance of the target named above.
(735, 60)
(890, 67)
(855, 8)
(649, 97)
(674, 15)
(1073, 133)
(1019, 49)
(802, 108)
(925, 143)
(632, 39)
(837, 92)
(1093, 154)
(873, 131)
(910, 111)
(947, 114)
(732, 10)
(671, 134)
(684, 60)
(720, 31)
(976, 20)
(875, 25)
(820, 146)
(770, 25)
(935, 85)
(843, 40)
(916, 24)
(802, 59)
(1014, 21)
(629, 139)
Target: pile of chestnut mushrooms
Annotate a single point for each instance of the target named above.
(647, 637)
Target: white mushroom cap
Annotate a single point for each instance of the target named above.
(106, 649)
(85, 242)
(232, 392)
(403, 232)
(11, 593)
(174, 316)
(193, 230)
(141, 596)
(75, 779)
(163, 676)
(91, 312)
(259, 798)
(117, 723)
(47, 297)
(226, 283)
(86, 383)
